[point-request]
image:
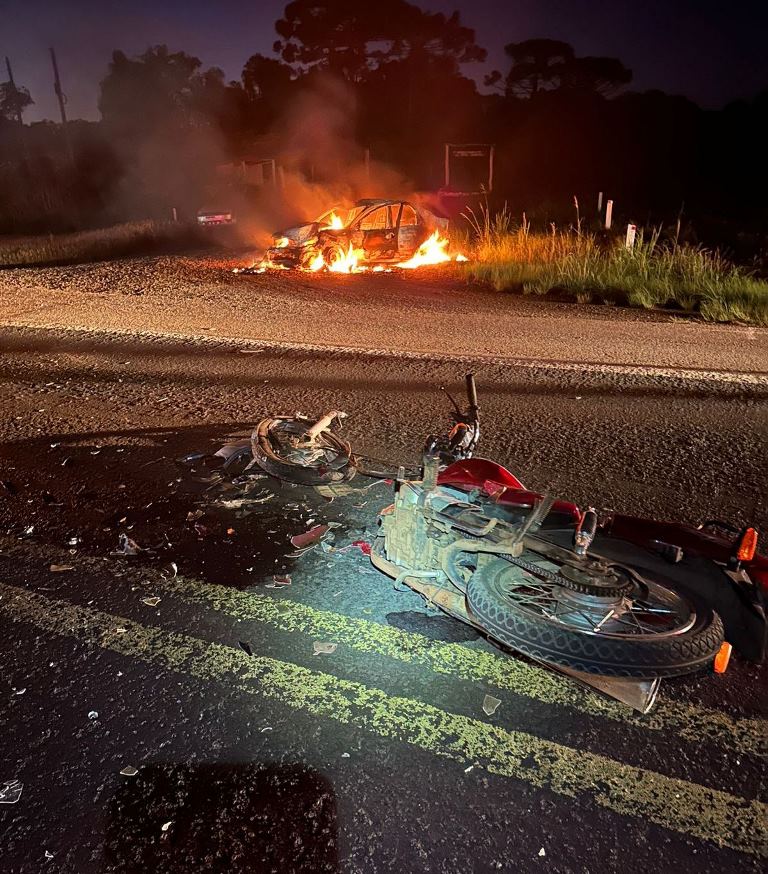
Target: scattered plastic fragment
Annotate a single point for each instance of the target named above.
(93, 714)
(490, 705)
(129, 771)
(127, 546)
(266, 728)
(166, 825)
(324, 648)
(19, 691)
(10, 791)
(151, 602)
(363, 546)
(308, 538)
(467, 770)
(121, 630)
(48, 855)
(61, 568)
(542, 852)
(171, 571)
(194, 514)
(345, 755)
(29, 530)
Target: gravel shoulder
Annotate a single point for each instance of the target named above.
(434, 312)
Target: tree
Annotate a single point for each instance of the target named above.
(138, 95)
(548, 65)
(598, 75)
(14, 99)
(352, 39)
(537, 64)
(266, 78)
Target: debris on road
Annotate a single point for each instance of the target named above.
(279, 581)
(93, 714)
(10, 791)
(61, 568)
(151, 602)
(166, 825)
(324, 648)
(542, 852)
(490, 705)
(309, 538)
(127, 547)
(129, 771)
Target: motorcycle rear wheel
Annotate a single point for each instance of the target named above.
(526, 617)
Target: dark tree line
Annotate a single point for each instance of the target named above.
(562, 124)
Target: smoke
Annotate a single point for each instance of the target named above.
(322, 164)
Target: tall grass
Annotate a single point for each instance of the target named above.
(118, 241)
(653, 273)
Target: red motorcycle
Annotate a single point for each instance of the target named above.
(616, 595)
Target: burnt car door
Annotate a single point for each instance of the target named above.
(410, 233)
(379, 233)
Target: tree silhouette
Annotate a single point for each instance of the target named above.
(14, 99)
(601, 75)
(154, 89)
(352, 39)
(537, 64)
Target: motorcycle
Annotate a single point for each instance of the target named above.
(609, 596)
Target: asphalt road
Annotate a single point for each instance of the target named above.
(252, 752)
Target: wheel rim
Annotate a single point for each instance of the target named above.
(647, 610)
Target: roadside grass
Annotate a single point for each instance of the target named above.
(654, 273)
(118, 241)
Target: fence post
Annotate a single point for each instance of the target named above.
(631, 234)
(608, 215)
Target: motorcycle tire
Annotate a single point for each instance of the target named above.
(556, 643)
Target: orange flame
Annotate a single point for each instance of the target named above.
(431, 251)
(334, 223)
(348, 262)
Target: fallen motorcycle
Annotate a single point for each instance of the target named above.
(617, 597)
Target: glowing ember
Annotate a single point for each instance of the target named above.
(431, 251)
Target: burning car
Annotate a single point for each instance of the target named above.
(373, 232)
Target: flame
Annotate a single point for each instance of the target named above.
(335, 223)
(431, 251)
(281, 242)
(317, 263)
(349, 262)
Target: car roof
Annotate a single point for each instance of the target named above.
(375, 201)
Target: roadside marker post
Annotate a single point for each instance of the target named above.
(631, 236)
(608, 214)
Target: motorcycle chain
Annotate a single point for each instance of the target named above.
(559, 580)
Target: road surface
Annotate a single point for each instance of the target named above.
(254, 754)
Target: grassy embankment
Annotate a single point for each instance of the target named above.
(118, 241)
(654, 273)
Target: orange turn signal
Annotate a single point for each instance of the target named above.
(722, 658)
(747, 545)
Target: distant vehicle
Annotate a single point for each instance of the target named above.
(385, 231)
(215, 217)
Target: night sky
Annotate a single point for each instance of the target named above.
(712, 51)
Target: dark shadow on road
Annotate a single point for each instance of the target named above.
(227, 819)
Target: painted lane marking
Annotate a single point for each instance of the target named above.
(708, 814)
(688, 721)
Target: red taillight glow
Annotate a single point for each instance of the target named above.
(747, 547)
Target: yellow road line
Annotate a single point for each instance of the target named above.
(687, 721)
(680, 805)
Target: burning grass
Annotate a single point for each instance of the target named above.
(118, 241)
(654, 273)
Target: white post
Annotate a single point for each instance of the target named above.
(599, 202)
(608, 214)
(175, 214)
(631, 234)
